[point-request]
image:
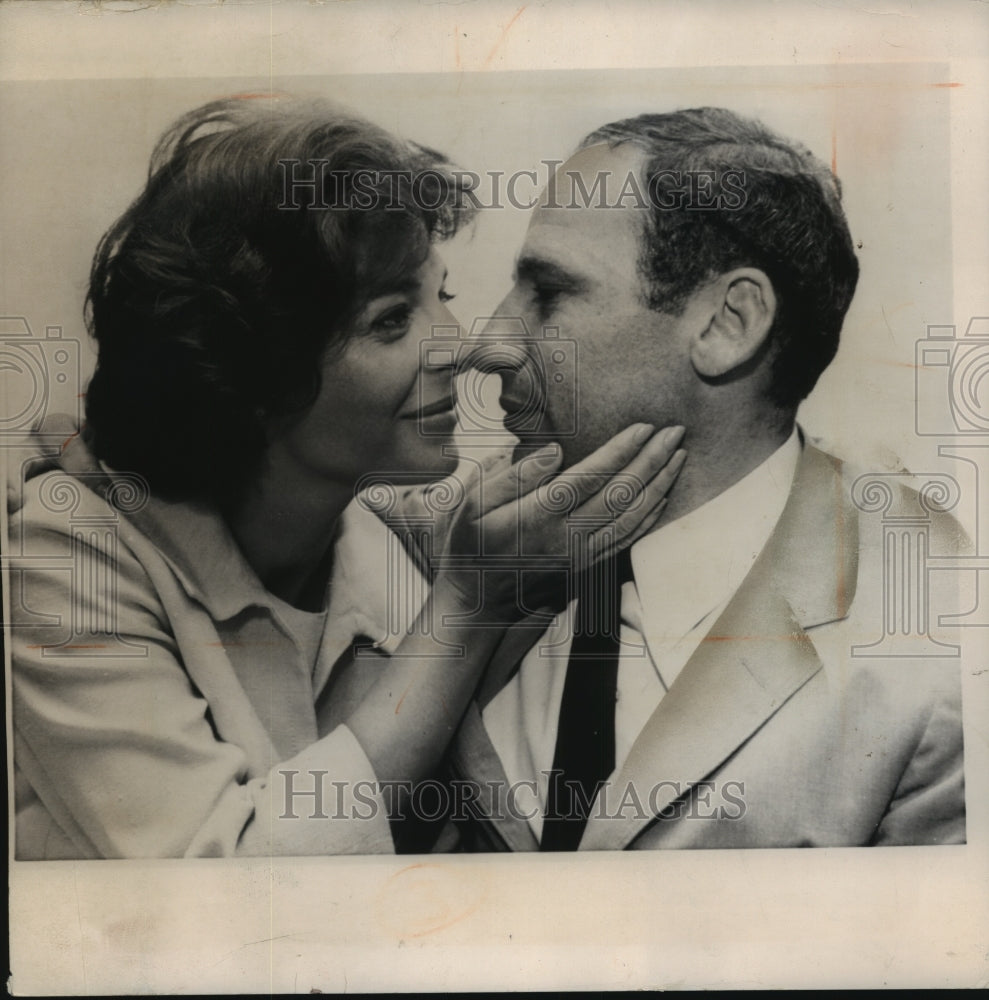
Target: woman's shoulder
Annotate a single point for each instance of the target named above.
(55, 485)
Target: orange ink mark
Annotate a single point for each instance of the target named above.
(502, 37)
(67, 440)
(400, 700)
(443, 903)
(453, 920)
(945, 84)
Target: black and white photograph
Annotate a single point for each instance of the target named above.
(495, 496)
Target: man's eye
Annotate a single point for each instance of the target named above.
(546, 298)
(446, 296)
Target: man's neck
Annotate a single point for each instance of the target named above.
(716, 463)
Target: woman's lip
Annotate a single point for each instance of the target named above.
(432, 409)
(438, 416)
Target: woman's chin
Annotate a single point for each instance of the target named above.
(427, 467)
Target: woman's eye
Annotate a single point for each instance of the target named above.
(446, 296)
(394, 321)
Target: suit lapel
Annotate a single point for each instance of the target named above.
(748, 665)
(752, 661)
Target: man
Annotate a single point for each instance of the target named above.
(703, 267)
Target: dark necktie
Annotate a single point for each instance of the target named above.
(585, 743)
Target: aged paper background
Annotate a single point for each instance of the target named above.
(894, 97)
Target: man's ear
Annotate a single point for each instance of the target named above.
(743, 307)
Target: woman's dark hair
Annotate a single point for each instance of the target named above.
(265, 226)
(767, 203)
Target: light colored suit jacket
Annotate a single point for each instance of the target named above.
(774, 734)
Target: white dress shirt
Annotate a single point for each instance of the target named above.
(685, 573)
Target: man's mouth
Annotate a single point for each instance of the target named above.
(522, 402)
(517, 413)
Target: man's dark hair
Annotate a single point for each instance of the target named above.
(786, 220)
(213, 300)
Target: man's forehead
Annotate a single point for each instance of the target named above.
(587, 232)
(597, 168)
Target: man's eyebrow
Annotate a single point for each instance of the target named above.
(538, 270)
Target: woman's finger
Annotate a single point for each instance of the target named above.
(582, 481)
(661, 484)
(521, 478)
(627, 488)
(608, 542)
(631, 525)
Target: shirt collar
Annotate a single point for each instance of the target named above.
(688, 567)
(375, 585)
(197, 543)
(376, 588)
(192, 537)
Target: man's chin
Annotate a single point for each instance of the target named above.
(524, 448)
(529, 438)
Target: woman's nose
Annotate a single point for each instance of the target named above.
(499, 346)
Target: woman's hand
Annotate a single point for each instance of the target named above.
(516, 524)
(520, 532)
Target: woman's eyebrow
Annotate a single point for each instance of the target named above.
(405, 285)
(408, 284)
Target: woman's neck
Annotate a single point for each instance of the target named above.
(285, 528)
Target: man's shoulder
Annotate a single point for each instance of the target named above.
(887, 493)
(868, 563)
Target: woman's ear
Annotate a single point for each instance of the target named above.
(743, 309)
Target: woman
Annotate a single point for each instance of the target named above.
(258, 357)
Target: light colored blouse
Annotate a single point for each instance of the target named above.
(165, 704)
